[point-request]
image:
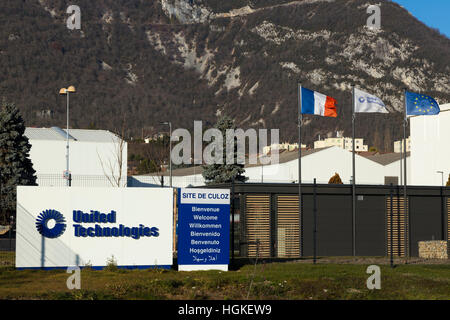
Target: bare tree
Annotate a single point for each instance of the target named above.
(115, 163)
(157, 152)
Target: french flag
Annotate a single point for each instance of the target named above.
(319, 104)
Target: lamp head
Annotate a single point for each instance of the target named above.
(63, 91)
(71, 89)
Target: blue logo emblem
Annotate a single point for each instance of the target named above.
(361, 99)
(50, 223)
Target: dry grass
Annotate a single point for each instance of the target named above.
(333, 278)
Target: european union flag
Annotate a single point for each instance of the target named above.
(420, 104)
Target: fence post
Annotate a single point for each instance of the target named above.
(315, 221)
(443, 214)
(11, 224)
(392, 226)
(232, 221)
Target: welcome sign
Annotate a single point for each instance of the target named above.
(70, 226)
(203, 229)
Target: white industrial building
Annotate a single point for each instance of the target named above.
(281, 146)
(393, 166)
(428, 162)
(430, 148)
(342, 142)
(94, 156)
(399, 145)
(321, 164)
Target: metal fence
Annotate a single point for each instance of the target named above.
(147, 181)
(267, 222)
(7, 246)
(57, 180)
(269, 215)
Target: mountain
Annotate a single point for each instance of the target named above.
(138, 62)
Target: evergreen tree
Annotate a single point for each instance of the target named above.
(16, 168)
(224, 173)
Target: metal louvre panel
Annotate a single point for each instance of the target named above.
(398, 226)
(257, 212)
(448, 226)
(288, 231)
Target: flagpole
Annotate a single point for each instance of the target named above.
(401, 162)
(300, 202)
(405, 205)
(353, 177)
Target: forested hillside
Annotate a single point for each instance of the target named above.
(140, 62)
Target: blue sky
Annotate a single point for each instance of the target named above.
(434, 13)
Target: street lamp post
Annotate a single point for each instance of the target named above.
(262, 172)
(170, 149)
(64, 91)
(263, 157)
(442, 176)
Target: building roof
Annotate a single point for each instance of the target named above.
(445, 107)
(366, 154)
(189, 171)
(286, 156)
(386, 158)
(58, 134)
(283, 157)
(93, 135)
(54, 133)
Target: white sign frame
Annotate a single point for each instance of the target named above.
(134, 208)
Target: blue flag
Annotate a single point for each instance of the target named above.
(420, 104)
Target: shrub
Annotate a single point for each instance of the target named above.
(88, 265)
(111, 264)
(336, 179)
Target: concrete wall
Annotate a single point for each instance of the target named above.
(430, 148)
(155, 181)
(393, 169)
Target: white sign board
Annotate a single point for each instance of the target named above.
(70, 226)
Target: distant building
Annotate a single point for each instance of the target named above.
(93, 155)
(45, 114)
(398, 145)
(343, 143)
(155, 137)
(282, 146)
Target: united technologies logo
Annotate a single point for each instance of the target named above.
(50, 223)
